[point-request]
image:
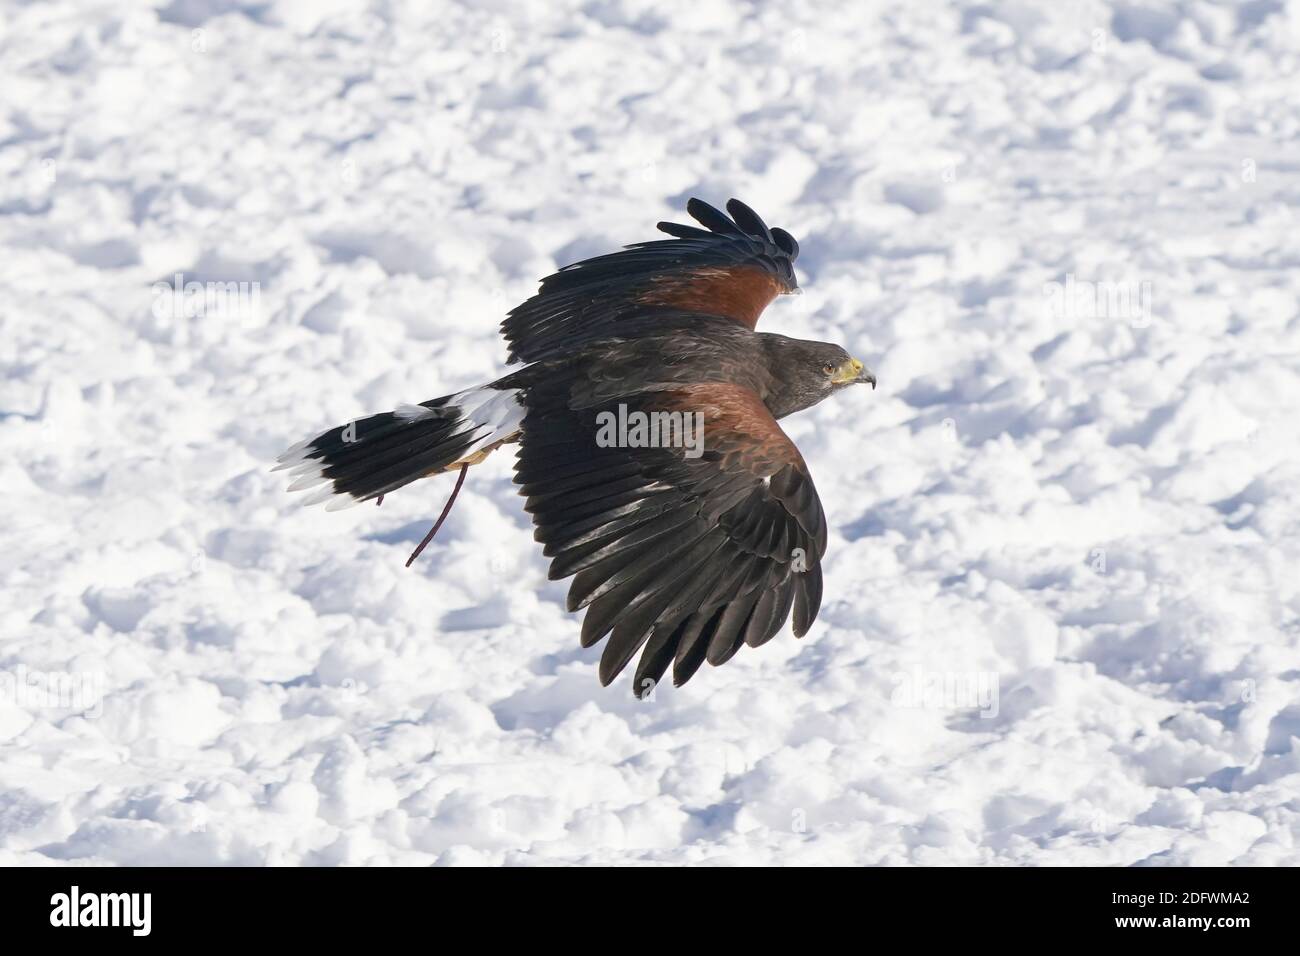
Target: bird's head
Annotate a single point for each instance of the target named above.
(806, 372)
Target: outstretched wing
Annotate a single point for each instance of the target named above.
(731, 269)
(682, 557)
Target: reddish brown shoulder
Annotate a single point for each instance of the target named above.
(734, 292)
(737, 424)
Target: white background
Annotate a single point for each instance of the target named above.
(1097, 508)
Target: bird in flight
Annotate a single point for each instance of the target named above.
(649, 454)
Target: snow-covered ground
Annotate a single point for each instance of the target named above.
(1061, 595)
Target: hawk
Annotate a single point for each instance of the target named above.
(649, 454)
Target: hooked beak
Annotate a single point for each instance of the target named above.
(853, 371)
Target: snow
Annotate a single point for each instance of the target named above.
(1061, 614)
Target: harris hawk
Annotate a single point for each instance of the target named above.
(649, 453)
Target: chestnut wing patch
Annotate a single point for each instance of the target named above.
(731, 269)
(737, 292)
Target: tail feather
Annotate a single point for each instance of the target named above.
(378, 454)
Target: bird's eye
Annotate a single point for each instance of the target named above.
(828, 368)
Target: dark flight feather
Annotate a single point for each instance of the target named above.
(683, 559)
(731, 269)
